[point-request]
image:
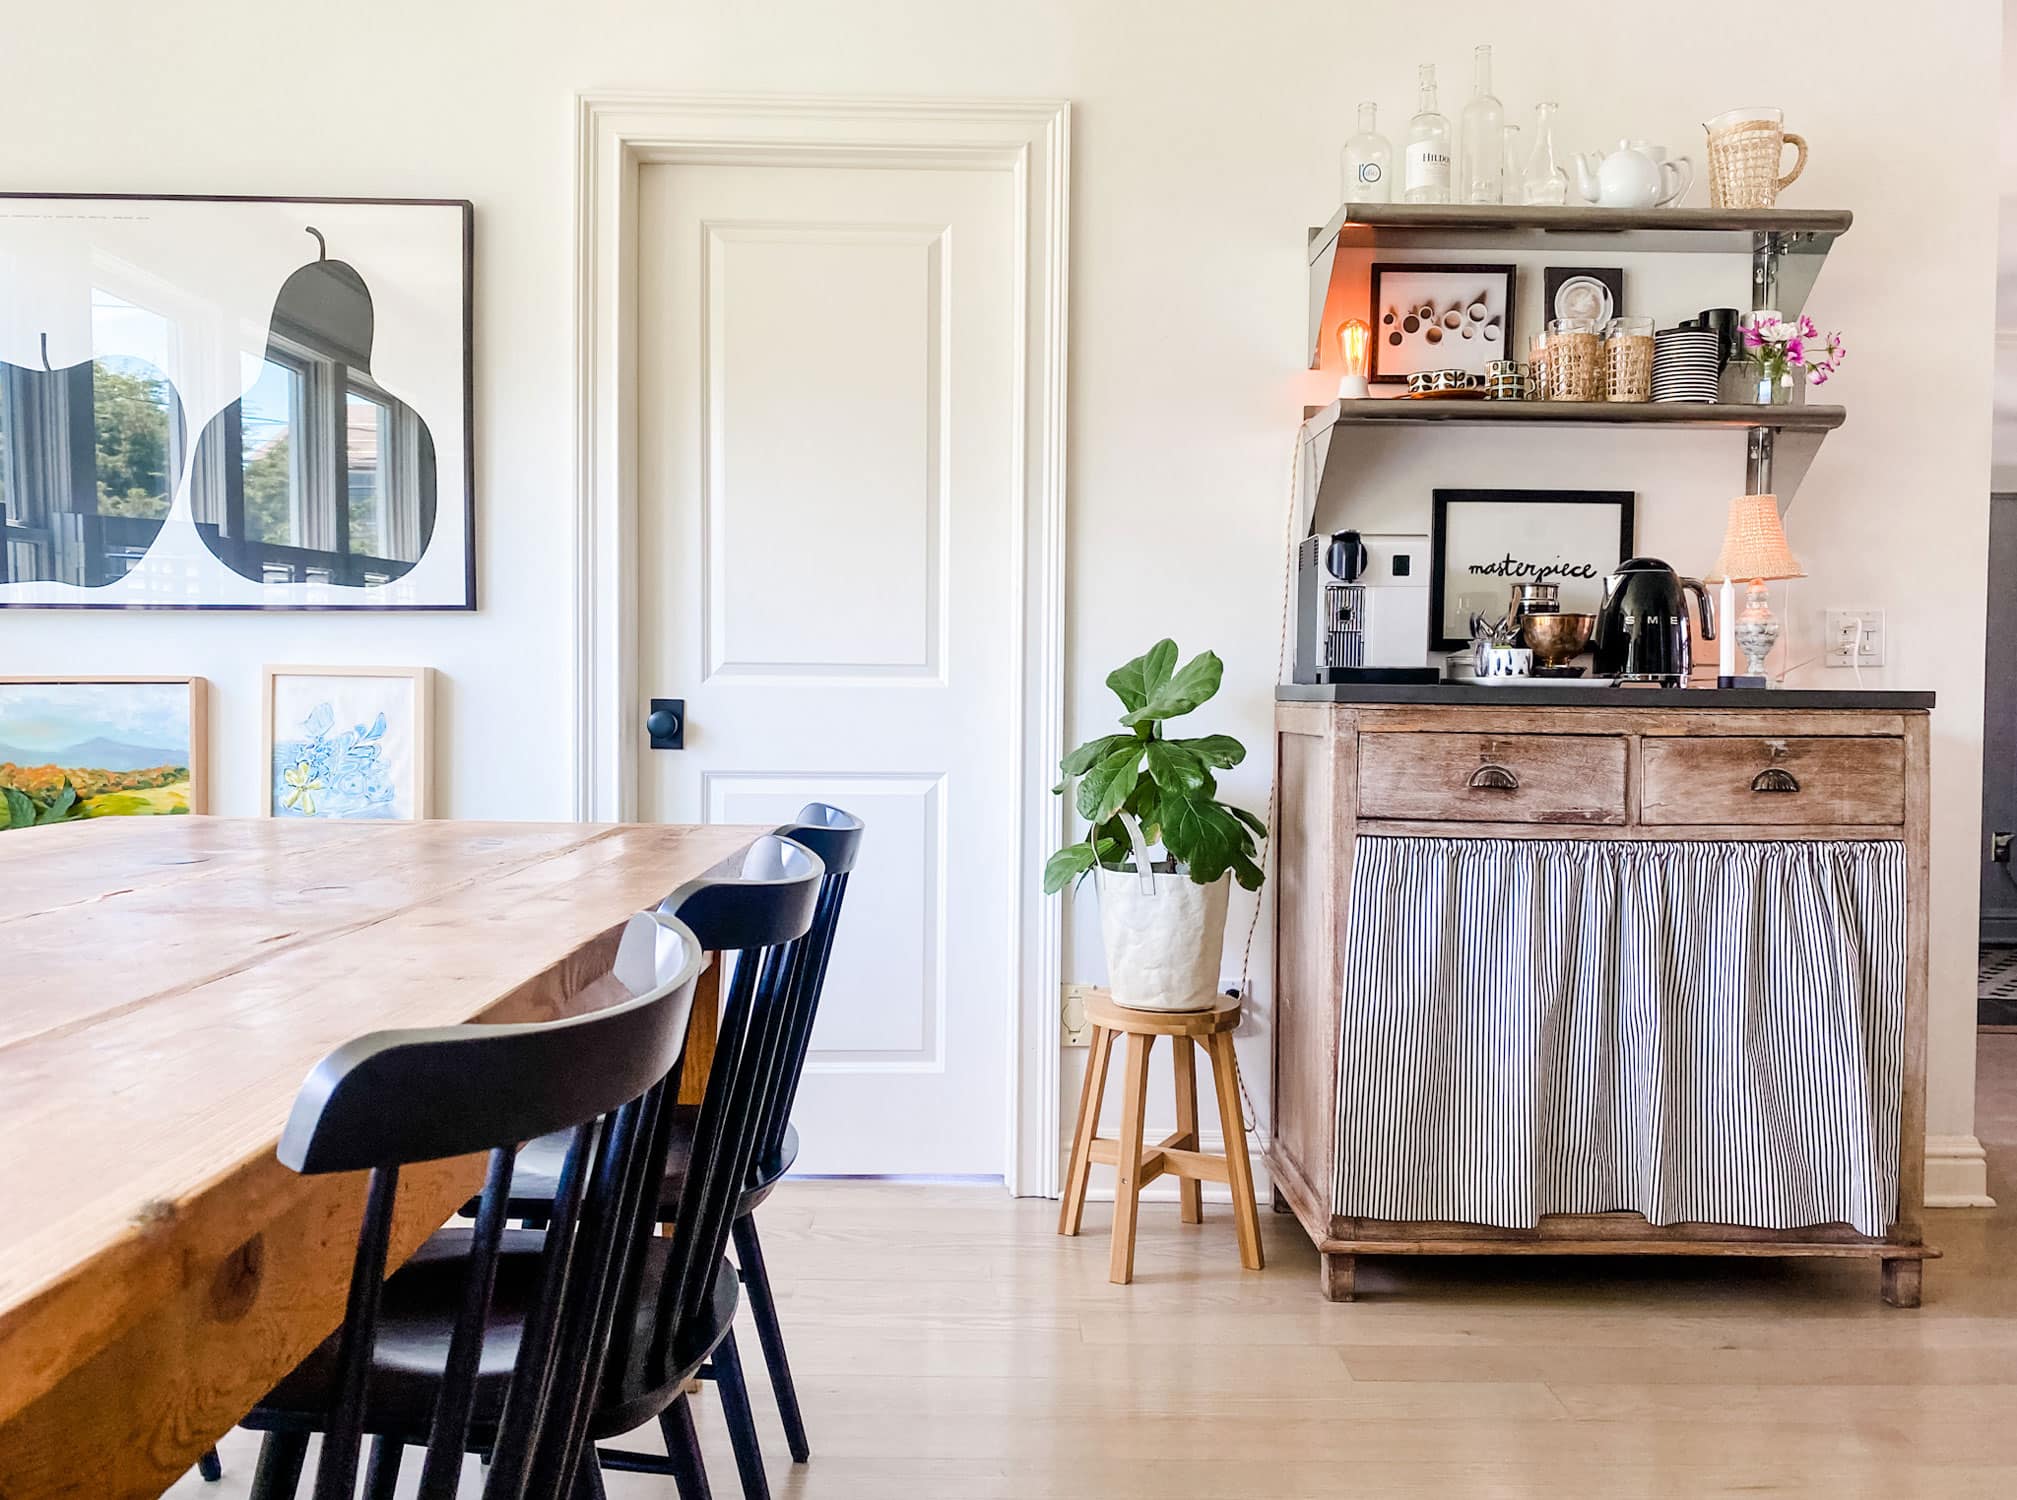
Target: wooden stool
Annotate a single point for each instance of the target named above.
(1178, 1155)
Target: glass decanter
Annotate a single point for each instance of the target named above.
(1481, 144)
(1546, 182)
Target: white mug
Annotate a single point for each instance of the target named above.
(1508, 661)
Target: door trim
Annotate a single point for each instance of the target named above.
(616, 134)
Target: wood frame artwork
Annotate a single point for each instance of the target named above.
(350, 770)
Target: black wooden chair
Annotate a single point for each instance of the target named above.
(835, 836)
(610, 1319)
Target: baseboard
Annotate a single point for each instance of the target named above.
(1999, 929)
(1957, 1173)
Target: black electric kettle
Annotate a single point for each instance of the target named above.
(1642, 624)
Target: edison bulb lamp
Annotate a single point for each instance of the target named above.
(1355, 346)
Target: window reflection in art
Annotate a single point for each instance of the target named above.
(317, 474)
(89, 456)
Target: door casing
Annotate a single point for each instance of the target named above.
(615, 135)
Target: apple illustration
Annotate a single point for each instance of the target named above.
(93, 453)
(317, 473)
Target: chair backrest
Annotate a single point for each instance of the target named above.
(398, 1097)
(835, 836)
(763, 917)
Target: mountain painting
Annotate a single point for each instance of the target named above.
(73, 750)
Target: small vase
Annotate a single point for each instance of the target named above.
(1784, 389)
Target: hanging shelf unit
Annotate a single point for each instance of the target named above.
(1786, 248)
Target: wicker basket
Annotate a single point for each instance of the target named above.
(1744, 163)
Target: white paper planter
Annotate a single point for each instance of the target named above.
(1164, 933)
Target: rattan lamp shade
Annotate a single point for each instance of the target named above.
(1754, 546)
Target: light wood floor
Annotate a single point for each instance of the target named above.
(949, 1345)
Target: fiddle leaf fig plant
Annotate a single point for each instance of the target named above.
(1165, 784)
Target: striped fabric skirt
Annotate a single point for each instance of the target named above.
(1696, 1031)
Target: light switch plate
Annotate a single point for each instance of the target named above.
(1854, 638)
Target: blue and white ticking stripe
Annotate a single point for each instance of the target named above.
(1697, 1031)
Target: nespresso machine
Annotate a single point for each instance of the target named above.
(1362, 608)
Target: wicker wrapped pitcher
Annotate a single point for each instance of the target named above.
(1745, 146)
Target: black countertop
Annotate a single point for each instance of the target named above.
(1542, 694)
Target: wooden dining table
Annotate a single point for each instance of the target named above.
(165, 986)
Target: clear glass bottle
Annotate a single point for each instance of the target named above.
(1481, 142)
(1546, 182)
(1513, 189)
(1368, 161)
(1428, 164)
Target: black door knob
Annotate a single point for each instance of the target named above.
(665, 723)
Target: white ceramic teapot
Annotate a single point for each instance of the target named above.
(1634, 176)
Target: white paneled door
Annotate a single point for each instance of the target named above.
(828, 537)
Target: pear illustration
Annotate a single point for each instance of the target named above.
(93, 450)
(318, 473)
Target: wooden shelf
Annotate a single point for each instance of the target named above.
(1399, 412)
(1795, 241)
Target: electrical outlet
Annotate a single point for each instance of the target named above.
(1854, 638)
(1072, 1015)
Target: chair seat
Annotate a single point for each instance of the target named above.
(411, 1351)
(536, 1174)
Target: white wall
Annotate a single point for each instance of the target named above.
(1206, 140)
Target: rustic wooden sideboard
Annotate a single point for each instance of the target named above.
(1471, 762)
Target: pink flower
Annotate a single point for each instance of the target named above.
(1818, 375)
(1751, 338)
(1796, 351)
(1807, 328)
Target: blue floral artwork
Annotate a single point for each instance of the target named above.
(335, 773)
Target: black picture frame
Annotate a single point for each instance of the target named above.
(467, 211)
(1621, 502)
(1504, 346)
(1554, 278)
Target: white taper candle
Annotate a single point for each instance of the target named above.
(1726, 631)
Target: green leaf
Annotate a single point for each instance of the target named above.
(1198, 680)
(1065, 866)
(1083, 759)
(58, 810)
(1260, 829)
(1136, 682)
(1220, 750)
(1177, 769)
(1203, 835)
(1247, 873)
(20, 808)
(1106, 786)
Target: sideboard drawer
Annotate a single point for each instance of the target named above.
(1765, 780)
(1492, 778)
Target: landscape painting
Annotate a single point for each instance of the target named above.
(99, 748)
(347, 742)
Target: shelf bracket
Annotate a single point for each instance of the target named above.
(1766, 254)
(1758, 461)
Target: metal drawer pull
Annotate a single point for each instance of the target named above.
(1773, 779)
(1491, 777)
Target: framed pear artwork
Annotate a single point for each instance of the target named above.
(236, 403)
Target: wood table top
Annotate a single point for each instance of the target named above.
(169, 983)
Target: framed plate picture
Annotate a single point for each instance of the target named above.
(1596, 293)
(1440, 317)
(235, 403)
(1485, 541)
(99, 747)
(348, 743)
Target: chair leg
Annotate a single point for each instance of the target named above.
(756, 1280)
(1239, 1168)
(728, 1376)
(588, 1477)
(1128, 1167)
(682, 1447)
(281, 1456)
(210, 1466)
(381, 1471)
(1190, 1193)
(1090, 1095)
